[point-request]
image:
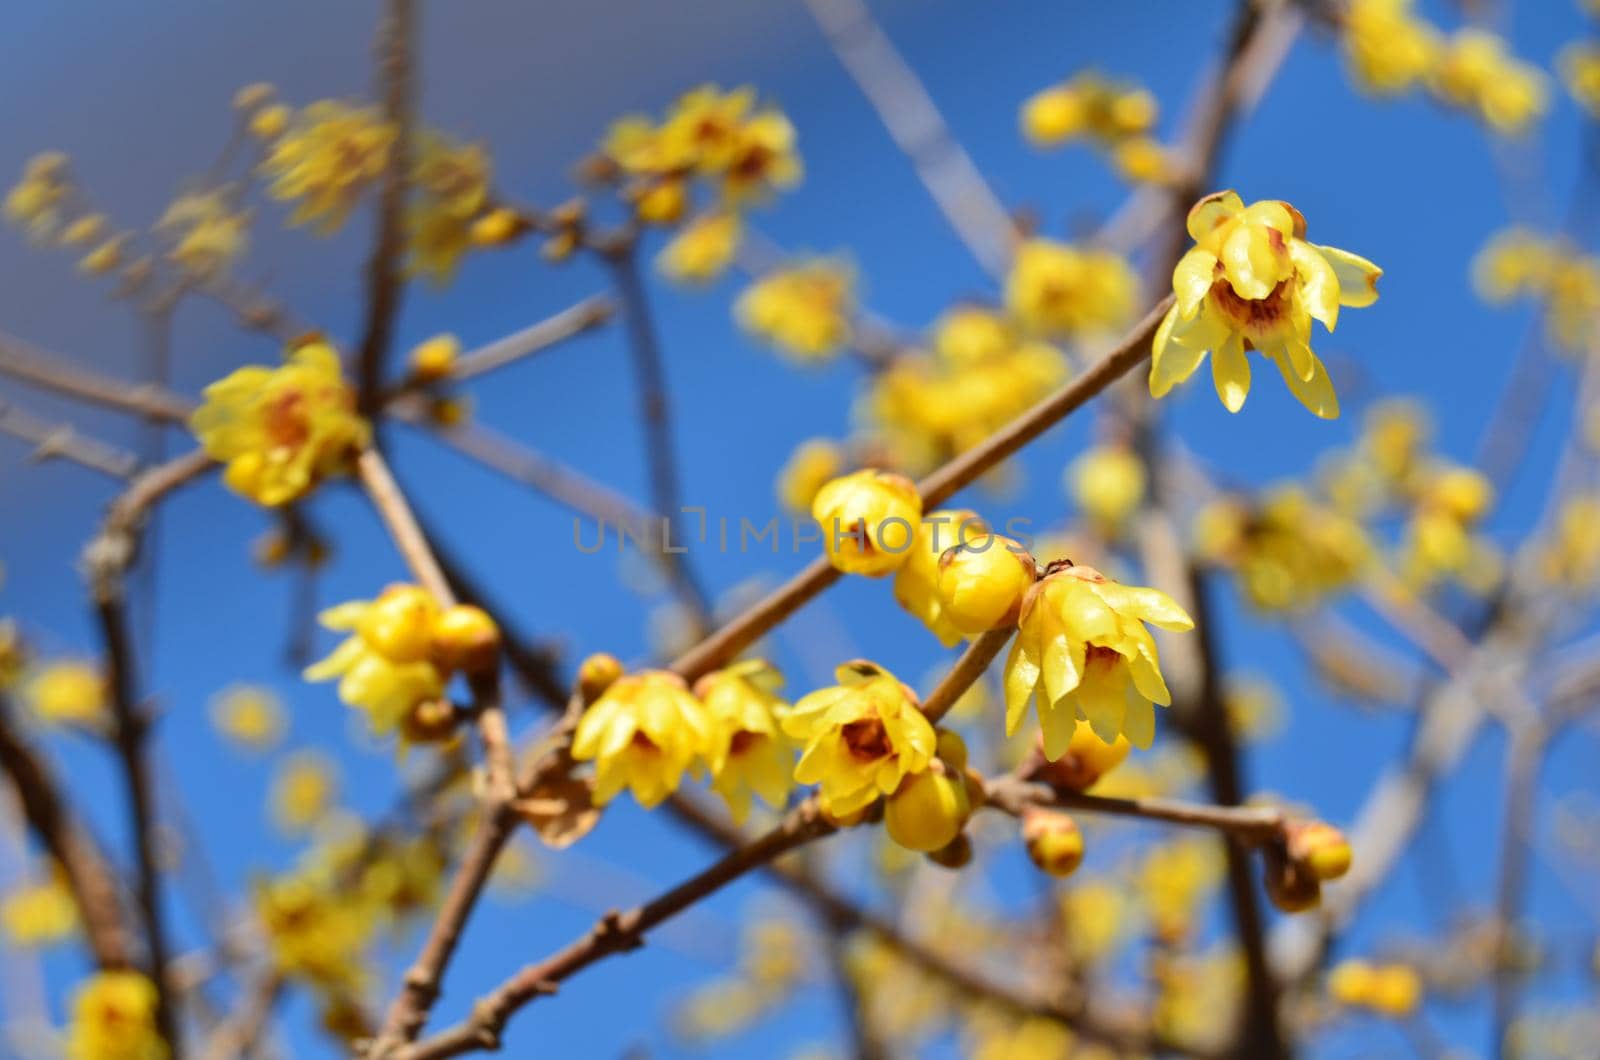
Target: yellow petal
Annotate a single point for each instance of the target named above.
(1230, 371)
(1022, 677)
(1171, 363)
(1139, 723)
(1252, 265)
(1317, 281)
(1212, 211)
(1192, 278)
(1315, 393)
(1358, 277)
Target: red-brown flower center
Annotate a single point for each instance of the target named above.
(867, 739)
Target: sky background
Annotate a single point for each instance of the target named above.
(139, 95)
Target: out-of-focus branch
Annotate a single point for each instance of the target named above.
(21, 361)
(919, 130)
(92, 881)
(569, 323)
(238, 1035)
(1250, 825)
(66, 442)
(385, 268)
(1524, 755)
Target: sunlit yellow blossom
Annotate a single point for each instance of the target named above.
(385, 666)
(916, 583)
(1515, 263)
(114, 1018)
(930, 807)
(748, 752)
(105, 258)
(861, 737)
(1088, 105)
(1393, 438)
(1107, 483)
(1143, 160)
(811, 466)
(314, 931)
(983, 579)
(701, 129)
(1389, 48)
(804, 309)
(1518, 263)
(1056, 289)
(39, 913)
(762, 157)
(499, 227)
(1475, 72)
(435, 358)
(303, 791)
(1288, 550)
(269, 123)
(1252, 282)
(281, 430)
(1440, 539)
(1033, 1038)
(1082, 651)
(1580, 70)
(971, 335)
(207, 231)
(1392, 990)
(328, 158)
(34, 202)
(642, 734)
(250, 716)
(1174, 880)
(451, 187)
(704, 249)
(69, 692)
(1087, 758)
(868, 521)
(89, 228)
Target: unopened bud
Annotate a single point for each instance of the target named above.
(982, 583)
(1053, 840)
(597, 673)
(1321, 848)
(465, 638)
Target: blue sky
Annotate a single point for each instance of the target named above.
(138, 95)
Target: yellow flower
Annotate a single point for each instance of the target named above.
(868, 521)
(1054, 116)
(1515, 263)
(303, 792)
(1474, 72)
(114, 1018)
(748, 752)
(1571, 561)
(971, 335)
(499, 227)
(704, 249)
(1082, 651)
(1389, 48)
(39, 913)
(315, 932)
(1088, 105)
(983, 579)
(107, 257)
(249, 716)
(804, 310)
(208, 235)
(89, 228)
(810, 467)
(68, 693)
(642, 734)
(1580, 69)
(281, 430)
(1439, 540)
(385, 667)
(34, 202)
(435, 358)
(268, 123)
(761, 158)
(1392, 990)
(927, 811)
(701, 131)
(1252, 282)
(1174, 880)
(331, 155)
(1065, 291)
(1087, 759)
(862, 737)
(1107, 483)
(1142, 160)
(453, 177)
(1287, 550)
(916, 583)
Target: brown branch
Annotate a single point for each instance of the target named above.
(571, 322)
(908, 112)
(24, 362)
(971, 666)
(92, 881)
(385, 269)
(1250, 825)
(398, 519)
(1524, 756)
(66, 442)
(727, 642)
(237, 1036)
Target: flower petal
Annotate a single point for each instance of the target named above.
(1212, 211)
(1317, 281)
(1315, 393)
(1230, 371)
(1193, 277)
(1358, 277)
(1171, 363)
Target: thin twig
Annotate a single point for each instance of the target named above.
(21, 361)
(66, 442)
(569, 323)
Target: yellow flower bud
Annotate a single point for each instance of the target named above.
(104, 258)
(597, 672)
(268, 123)
(1290, 885)
(253, 95)
(1350, 982)
(430, 721)
(1088, 758)
(84, 230)
(498, 227)
(435, 358)
(1396, 990)
(1053, 116)
(1054, 842)
(868, 521)
(955, 854)
(982, 582)
(929, 809)
(465, 638)
(1321, 848)
(661, 202)
(399, 624)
